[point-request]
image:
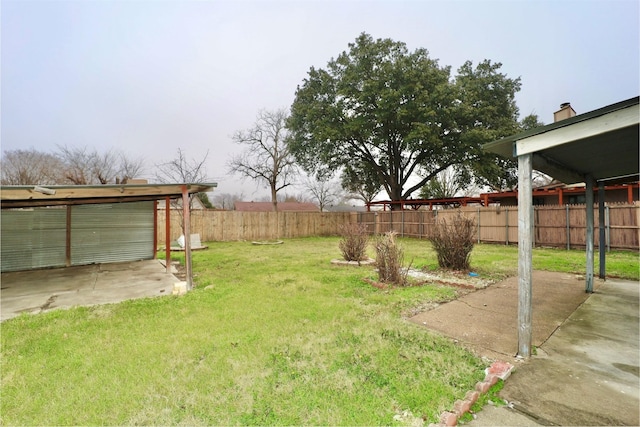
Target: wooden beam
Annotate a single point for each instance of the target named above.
(155, 230)
(187, 235)
(525, 239)
(27, 196)
(556, 169)
(167, 233)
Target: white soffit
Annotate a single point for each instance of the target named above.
(595, 126)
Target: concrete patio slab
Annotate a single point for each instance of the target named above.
(486, 320)
(36, 291)
(586, 367)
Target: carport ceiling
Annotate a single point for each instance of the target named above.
(57, 195)
(603, 143)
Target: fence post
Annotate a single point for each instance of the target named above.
(601, 232)
(607, 226)
(402, 226)
(376, 224)
(568, 229)
(478, 216)
(506, 220)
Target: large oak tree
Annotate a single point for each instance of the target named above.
(402, 117)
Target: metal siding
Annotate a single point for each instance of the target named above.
(112, 232)
(33, 238)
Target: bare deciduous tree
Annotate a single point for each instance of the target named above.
(323, 191)
(78, 164)
(267, 157)
(226, 200)
(130, 167)
(182, 170)
(84, 166)
(30, 167)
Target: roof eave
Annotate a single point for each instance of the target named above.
(505, 146)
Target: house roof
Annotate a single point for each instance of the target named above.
(282, 207)
(22, 196)
(602, 143)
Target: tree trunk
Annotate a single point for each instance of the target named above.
(396, 196)
(274, 197)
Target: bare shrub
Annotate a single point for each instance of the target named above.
(354, 241)
(389, 258)
(453, 242)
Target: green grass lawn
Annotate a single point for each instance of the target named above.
(272, 335)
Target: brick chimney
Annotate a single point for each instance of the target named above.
(565, 112)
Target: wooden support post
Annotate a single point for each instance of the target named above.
(602, 230)
(167, 233)
(187, 235)
(525, 234)
(589, 233)
(155, 229)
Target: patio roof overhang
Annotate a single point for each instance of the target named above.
(601, 146)
(26, 196)
(602, 143)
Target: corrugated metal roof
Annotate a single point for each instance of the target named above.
(18, 196)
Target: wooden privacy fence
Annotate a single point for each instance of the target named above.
(234, 225)
(557, 226)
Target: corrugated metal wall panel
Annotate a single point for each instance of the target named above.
(112, 232)
(36, 238)
(32, 238)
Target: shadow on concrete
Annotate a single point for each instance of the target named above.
(37, 291)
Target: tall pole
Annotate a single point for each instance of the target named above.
(187, 235)
(167, 233)
(525, 239)
(589, 232)
(602, 230)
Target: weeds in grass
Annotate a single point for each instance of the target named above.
(490, 397)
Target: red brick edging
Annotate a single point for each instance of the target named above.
(497, 370)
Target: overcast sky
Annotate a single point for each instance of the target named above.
(149, 77)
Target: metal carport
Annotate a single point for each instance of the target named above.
(597, 148)
(21, 197)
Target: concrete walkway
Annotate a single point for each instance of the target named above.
(40, 290)
(586, 368)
